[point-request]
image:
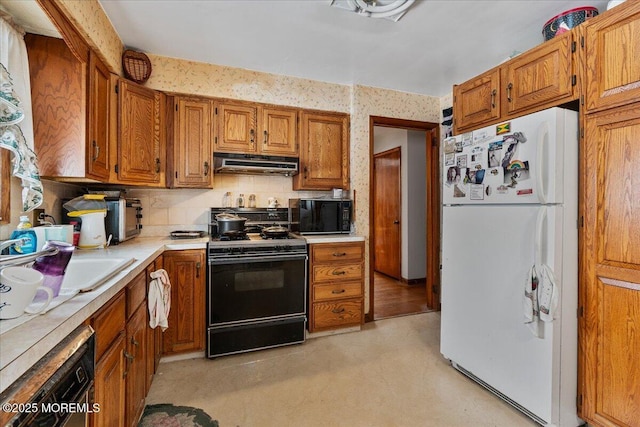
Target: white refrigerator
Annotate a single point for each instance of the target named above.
(510, 201)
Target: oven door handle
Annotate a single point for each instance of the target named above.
(245, 259)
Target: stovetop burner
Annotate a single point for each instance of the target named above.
(233, 237)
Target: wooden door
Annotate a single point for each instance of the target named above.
(98, 136)
(324, 152)
(136, 374)
(476, 101)
(544, 74)
(610, 283)
(613, 57)
(139, 150)
(110, 387)
(186, 330)
(236, 128)
(279, 136)
(192, 143)
(387, 194)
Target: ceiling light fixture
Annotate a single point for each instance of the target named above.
(387, 9)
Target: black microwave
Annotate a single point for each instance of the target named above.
(320, 216)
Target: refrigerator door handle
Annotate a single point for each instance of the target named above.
(543, 167)
(540, 241)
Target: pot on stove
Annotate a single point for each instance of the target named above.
(230, 224)
(275, 232)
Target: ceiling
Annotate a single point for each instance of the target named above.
(435, 44)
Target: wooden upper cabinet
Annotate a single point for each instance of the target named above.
(189, 142)
(70, 102)
(59, 104)
(612, 44)
(249, 128)
(235, 128)
(476, 101)
(541, 75)
(278, 132)
(141, 144)
(324, 151)
(610, 284)
(98, 140)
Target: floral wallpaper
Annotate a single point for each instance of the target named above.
(90, 18)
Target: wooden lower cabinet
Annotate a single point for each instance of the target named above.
(136, 373)
(187, 272)
(109, 389)
(609, 372)
(336, 285)
(109, 384)
(154, 336)
(127, 354)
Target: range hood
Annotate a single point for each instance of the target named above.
(254, 164)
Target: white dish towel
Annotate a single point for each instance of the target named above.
(540, 298)
(159, 299)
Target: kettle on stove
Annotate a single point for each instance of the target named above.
(92, 210)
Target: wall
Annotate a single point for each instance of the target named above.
(413, 210)
(165, 210)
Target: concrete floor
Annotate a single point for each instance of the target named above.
(389, 374)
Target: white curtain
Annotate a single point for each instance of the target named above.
(16, 121)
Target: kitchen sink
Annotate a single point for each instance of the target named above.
(86, 274)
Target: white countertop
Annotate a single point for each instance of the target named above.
(332, 238)
(23, 343)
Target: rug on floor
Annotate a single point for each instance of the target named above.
(167, 415)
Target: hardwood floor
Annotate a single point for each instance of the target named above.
(394, 298)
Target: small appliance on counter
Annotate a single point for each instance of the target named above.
(91, 209)
(122, 221)
(320, 216)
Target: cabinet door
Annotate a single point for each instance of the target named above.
(109, 387)
(98, 137)
(324, 152)
(139, 146)
(477, 101)
(613, 57)
(136, 373)
(610, 284)
(191, 144)
(59, 104)
(540, 76)
(235, 128)
(279, 135)
(186, 331)
(154, 336)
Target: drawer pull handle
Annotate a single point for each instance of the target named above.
(338, 310)
(134, 342)
(128, 355)
(339, 273)
(339, 254)
(336, 291)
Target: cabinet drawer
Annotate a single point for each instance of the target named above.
(337, 291)
(136, 291)
(337, 252)
(108, 324)
(337, 314)
(327, 273)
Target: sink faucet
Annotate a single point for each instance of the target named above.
(4, 244)
(10, 260)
